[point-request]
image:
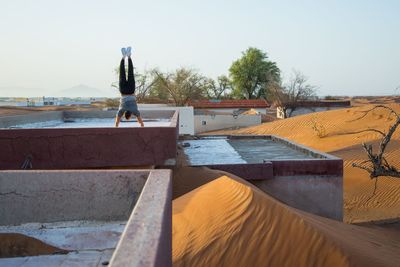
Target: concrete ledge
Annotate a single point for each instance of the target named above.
(71, 148)
(147, 239)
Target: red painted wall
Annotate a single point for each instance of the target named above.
(87, 147)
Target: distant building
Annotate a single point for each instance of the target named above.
(305, 107)
(230, 106)
(44, 101)
(210, 115)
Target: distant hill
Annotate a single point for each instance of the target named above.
(83, 90)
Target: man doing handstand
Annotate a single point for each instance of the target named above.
(127, 104)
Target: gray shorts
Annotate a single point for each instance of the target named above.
(128, 103)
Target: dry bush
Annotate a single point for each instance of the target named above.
(318, 128)
(112, 103)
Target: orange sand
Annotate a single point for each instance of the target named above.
(251, 111)
(230, 222)
(333, 137)
(18, 245)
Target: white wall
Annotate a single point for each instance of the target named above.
(205, 123)
(302, 111)
(186, 116)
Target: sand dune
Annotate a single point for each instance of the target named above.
(334, 135)
(230, 222)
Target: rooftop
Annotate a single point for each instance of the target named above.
(246, 103)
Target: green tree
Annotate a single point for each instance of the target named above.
(220, 88)
(252, 73)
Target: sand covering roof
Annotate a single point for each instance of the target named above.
(335, 137)
(251, 111)
(229, 222)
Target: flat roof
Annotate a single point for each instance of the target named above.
(246, 103)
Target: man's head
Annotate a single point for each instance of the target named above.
(128, 115)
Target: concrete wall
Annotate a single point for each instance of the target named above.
(231, 110)
(186, 116)
(48, 196)
(89, 147)
(147, 114)
(321, 195)
(217, 122)
(53, 196)
(147, 239)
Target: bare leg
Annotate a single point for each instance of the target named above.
(140, 121)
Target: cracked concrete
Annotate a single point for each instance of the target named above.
(40, 196)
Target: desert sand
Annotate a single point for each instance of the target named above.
(227, 221)
(332, 133)
(17, 245)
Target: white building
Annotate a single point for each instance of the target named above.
(230, 106)
(211, 115)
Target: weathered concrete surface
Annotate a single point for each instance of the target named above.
(80, 258)
(86, 148)
(321, 195)
(250, 171)
(207, 123)
(71, 235)
(308, 167)
(52, 196)
(313, 163)
(146, 240)
(150, 243)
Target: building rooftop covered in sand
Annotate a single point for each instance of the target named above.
(91, 198)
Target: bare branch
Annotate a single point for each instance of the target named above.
(379, 166)
(360, 166)
(374, 108)
(289, 96)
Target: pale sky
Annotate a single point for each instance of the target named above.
(344, 47)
